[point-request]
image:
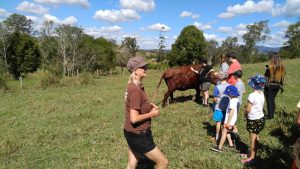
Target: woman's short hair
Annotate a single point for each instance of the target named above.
(231, 55)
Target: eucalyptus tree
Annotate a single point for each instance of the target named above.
(257, 32)
(4, 43)
(293, 43)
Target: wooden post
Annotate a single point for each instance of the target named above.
(21, 82)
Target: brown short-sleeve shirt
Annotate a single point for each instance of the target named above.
(136, 98)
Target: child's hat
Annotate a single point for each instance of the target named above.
(257, 82)
(232, 91)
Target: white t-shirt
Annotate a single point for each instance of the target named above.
(298, 105)
(257, 99)
(233, 105)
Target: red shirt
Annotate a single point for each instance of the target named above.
(235, 65)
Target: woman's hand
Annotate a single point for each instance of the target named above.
(154, 112)
(154, 106)
(227, 126)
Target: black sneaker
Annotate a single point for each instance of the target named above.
(216, 149)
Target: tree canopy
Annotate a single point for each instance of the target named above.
(190, 46)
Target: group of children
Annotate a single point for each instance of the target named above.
(228, 99)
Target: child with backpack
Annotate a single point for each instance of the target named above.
(230, 118)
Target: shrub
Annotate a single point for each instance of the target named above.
(3, 85)
(49, 79)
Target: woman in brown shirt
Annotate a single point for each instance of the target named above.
(139, 111)
(274, 74)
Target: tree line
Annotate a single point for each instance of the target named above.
(65, 50)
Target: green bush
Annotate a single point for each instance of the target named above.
(3, 84)
(85, 79)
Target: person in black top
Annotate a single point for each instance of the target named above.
(204, 80)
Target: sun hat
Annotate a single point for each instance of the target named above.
(232, 91)
(223, 75)
(257, 82)
(135, 62)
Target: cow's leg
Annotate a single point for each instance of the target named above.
(171, 97)
(167, 94)
(198, 91)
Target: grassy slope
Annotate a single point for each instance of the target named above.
(81, 126)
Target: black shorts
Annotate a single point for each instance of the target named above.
(140, 143)
(205, 86)
(255, 126)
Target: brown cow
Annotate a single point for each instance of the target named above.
(182, 78)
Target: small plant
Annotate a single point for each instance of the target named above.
(50, 79)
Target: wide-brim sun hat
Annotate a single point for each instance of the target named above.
(257, 82)
(135, 62)
(231, 91)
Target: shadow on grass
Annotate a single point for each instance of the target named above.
(210, 129)
(280, 157)
(145, 163)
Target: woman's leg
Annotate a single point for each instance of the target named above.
(270, 95)
(133, 159)
(158, 157)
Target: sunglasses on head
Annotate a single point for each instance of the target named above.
(144, 67)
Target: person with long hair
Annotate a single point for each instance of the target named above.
(138, 114)
(275, 72)
(223, 63)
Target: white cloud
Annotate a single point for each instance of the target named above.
(290, 9)
(159, 27)
(195, 16)
(71, 20)
(139, 5)
(108, 32)
(276, 40)
(202, 26)
(185, 14)
(247, 8)
(210, 36)
(241, 26)
(225, 29)
(3, 13)
(83, 3)
(226, 15)
(32, 8)
(282, 24)
(122, 15)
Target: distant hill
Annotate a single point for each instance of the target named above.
(264, 49)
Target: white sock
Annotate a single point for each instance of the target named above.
(217, 136)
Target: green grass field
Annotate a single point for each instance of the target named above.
(81, 126)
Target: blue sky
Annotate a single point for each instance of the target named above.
(146, 19)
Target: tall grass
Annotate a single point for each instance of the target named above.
(81, 126)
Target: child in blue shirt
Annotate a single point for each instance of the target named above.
(218, 115)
